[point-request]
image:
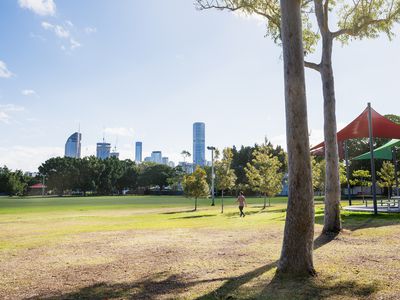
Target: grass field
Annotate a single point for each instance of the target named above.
(157, 248)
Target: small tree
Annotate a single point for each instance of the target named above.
(226, 177)
(342, 173)
(361, 178)
(263, 173)
(195, 185)
(318, 174)
(387, 178)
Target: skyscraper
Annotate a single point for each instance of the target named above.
(138, 151)
(103, 150)
(156, 157)
(165, 161)
(199, 144)
(73, 145)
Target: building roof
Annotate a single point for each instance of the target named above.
(37, 186)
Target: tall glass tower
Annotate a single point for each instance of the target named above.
(199, 144)
(138, 151)
(103, 150)
(73, 145)
(156, 156)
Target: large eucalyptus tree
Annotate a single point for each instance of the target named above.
(356, 19)
(297, 249)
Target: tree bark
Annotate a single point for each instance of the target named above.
(195, 204)
(332, 223)
(297, 250)
(265, 201)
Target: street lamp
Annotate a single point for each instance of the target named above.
(212, 148)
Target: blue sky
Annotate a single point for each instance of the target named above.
(146, 70)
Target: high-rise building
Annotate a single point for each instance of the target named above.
(114, 154)
(156, 157)
(138, 151)
(73, 145)
(103, 150)
(199, 144)
(165, 161)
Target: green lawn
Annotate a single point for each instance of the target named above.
(144, 247)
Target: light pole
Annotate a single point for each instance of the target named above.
(212, 148)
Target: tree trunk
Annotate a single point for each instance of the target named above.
(222, 202)
(332, 183)
(297, 249)
(265, 201)
(332, 223)
(195, 204)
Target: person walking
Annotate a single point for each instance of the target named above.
(242, 203)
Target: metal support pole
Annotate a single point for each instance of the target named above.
(346, 154)
(371, 149)
(394, 156)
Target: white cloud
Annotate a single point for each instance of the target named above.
(4, 117)
(62, 33)
(28, 93)
(74, 44)
(120, 131)
(69, 23)
(5, 110)
(27, 158)
(4, 72)
(11, 107)
(58, 30)
(90, 30)
(40, 7)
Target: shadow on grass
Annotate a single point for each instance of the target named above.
(315, 288)
(177, 212)
(324, 239)
(357, 220)
(247, 212)
(147, 288)
(234, 283)
(232, 287)
(194, 217)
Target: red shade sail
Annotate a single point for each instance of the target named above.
(381, 128)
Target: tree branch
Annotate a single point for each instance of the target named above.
(314, 66)
(366, 22)
(355, 31)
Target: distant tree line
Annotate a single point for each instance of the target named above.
(90, 175)
(14, 183)
(109, 176)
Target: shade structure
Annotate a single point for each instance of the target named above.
(383, 152)
(358, 128)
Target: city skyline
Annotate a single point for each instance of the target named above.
(116, 71)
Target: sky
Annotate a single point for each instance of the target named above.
(145, 71)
